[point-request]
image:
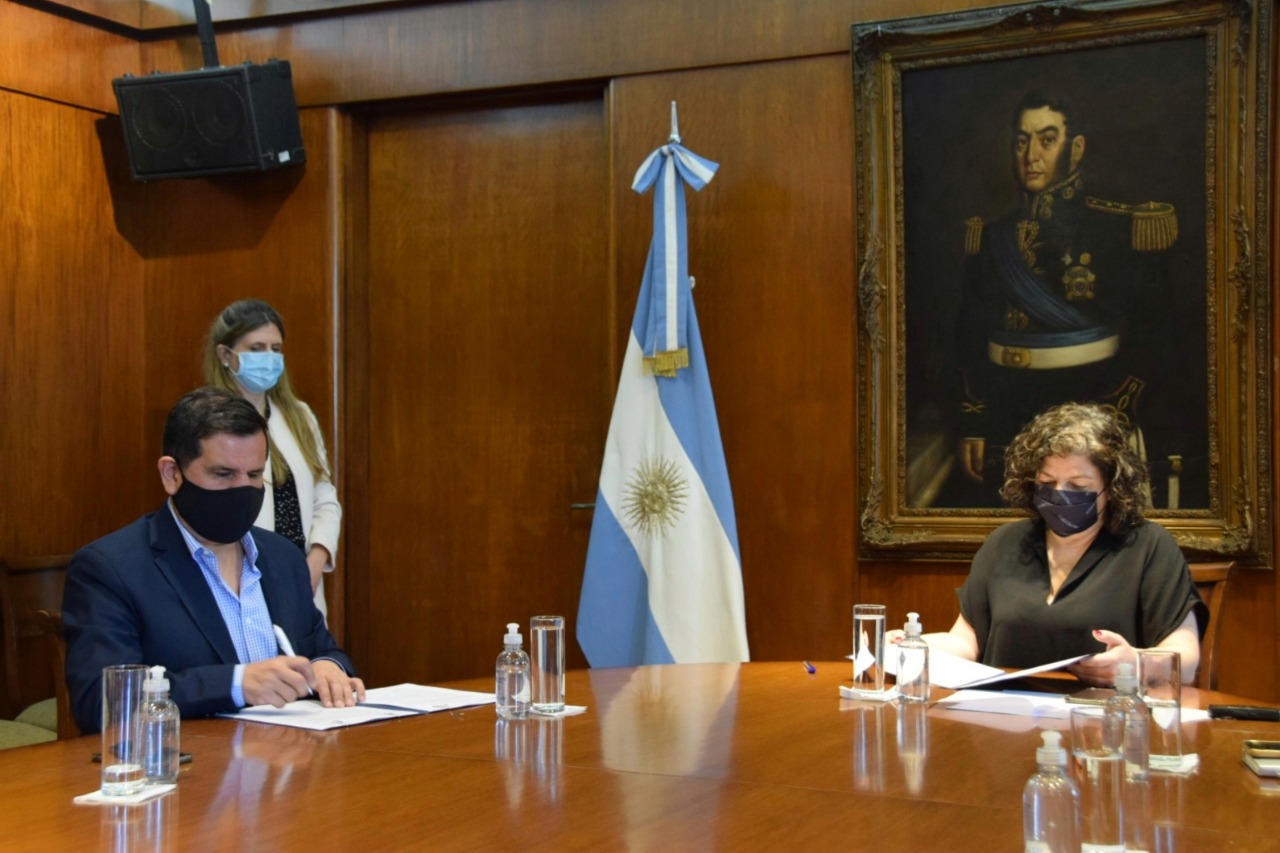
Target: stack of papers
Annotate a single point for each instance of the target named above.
(956, 673)
(1009, 710)
(1035, 708)
(381, 703)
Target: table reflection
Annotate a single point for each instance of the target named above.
(532, 746)
(1166, 811)
(1152, 812)
(548, 754)
(868, 745)
(667, 719)
(913, 742)
(148, 826)
(267, 762)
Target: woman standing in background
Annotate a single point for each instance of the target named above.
(244, 355)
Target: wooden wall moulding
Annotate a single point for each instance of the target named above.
(1056, 202)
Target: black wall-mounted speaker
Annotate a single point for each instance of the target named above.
(214, 121)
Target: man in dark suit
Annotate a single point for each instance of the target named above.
(1066, 298)
(195, 588)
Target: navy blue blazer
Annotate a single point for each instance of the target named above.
(138, 596)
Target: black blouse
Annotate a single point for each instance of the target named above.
(1137, 585)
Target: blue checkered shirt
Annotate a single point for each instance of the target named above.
(248, 620)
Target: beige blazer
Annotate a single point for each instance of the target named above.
(320, 497)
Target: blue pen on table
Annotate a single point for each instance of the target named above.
(809, 668)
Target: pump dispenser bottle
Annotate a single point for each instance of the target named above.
(160, 722)
(1137, 717)
(1051, 802)
(913, 663)
(511, 677)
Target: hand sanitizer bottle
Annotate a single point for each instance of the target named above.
(1051, 802)
(913, 663)
(1137, 717)
(511, 677)
(160, 722)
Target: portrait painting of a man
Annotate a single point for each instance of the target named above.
(1054, 225)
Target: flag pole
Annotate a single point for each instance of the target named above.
(675, 126)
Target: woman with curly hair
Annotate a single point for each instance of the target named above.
(1086, 573)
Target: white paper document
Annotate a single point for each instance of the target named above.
(1015, 702)
(963, 673)
(955, 673)
(381, 703)
(1052, 706)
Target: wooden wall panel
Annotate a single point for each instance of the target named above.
(74, 336)
(488, 339)
(208, 242)
(770, 249)
(61, 60)
(456, 47)
(764, 89)
(927, 587)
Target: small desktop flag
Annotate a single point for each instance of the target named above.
(663, 580)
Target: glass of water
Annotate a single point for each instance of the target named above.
(1160, 685)
(868, 650)
(122, 742)
(546, 656)
(1096, 754)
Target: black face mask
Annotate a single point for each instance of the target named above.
(1066, 511)
(219, 515)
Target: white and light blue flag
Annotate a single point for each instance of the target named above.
(663, 580)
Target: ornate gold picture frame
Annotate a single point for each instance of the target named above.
(1142, 227)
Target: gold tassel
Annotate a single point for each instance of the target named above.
(973, 235)
(1155, 226)
(666, 363)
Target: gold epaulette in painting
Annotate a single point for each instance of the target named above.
(1155, 223)
(973, 234)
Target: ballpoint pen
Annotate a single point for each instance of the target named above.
(282, 640)
(286, 648)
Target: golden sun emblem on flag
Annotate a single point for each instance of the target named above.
(654, 496)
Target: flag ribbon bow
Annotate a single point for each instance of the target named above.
(666, 337)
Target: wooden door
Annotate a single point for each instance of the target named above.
(488, 373)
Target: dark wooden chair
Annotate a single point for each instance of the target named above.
(1211, 580)
(56, 642)
(33, 666)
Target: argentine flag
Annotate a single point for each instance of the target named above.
(663, 580)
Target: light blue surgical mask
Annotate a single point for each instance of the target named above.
(260, 371)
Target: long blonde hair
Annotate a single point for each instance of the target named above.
(233, 323)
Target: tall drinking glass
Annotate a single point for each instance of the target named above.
(546, 655)
(1160, 685)
(122, 742)
(1097, 755)
(868, 650)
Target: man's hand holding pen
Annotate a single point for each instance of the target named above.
(326, 679)
(277, 681)
(283, 679)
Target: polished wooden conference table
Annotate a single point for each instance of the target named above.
(687, 757)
